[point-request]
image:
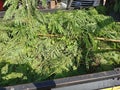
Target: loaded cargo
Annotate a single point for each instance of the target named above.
(66, 49)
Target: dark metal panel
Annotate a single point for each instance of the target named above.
(2, 88)
(89, 86)
(46, 85)
(82, 82)
(86, 78)
(2, 13)
(82, 3)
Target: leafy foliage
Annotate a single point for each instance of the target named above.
(56, 45)
(117, 6)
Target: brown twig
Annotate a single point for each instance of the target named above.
(97, 38)
(110, 49)
(48, 35)
(108, 40)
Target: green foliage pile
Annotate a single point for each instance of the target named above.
(56, 45)
(102, 9)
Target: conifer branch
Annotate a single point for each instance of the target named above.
(108, 40)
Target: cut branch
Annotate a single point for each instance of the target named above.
(108, 40)
(110, 49)
(97, 38)
(48, 35)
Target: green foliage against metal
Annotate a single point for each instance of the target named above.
(22, 12)
(57, 45)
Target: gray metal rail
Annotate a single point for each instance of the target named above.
(2, 14)
(83, 82)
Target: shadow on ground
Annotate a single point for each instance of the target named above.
(12, 74)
